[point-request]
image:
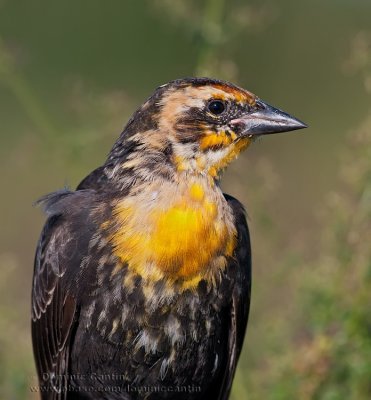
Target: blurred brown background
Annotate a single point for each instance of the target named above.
(72, 72)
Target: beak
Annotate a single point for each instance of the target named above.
(265, 119)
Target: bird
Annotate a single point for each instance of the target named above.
(142, 274)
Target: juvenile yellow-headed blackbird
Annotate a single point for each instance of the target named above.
(142, 275)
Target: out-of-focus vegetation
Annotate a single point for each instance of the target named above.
(325, 352)
(72, 73)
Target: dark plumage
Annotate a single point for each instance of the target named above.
(142, 275)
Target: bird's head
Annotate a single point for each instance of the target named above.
(197, 125)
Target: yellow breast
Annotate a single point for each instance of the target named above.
(180, 241)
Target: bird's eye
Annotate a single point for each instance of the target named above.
(216, 107)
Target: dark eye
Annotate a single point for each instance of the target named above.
(216, 107)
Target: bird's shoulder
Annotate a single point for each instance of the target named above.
(95, 180)
(236, 206)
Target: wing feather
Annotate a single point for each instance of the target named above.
(239, 311)
(53, 310)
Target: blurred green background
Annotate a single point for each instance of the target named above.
(72, 72)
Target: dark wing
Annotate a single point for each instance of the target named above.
(53, 306)
(52, 311)
(240, 306)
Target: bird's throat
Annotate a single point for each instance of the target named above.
(217, 151)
